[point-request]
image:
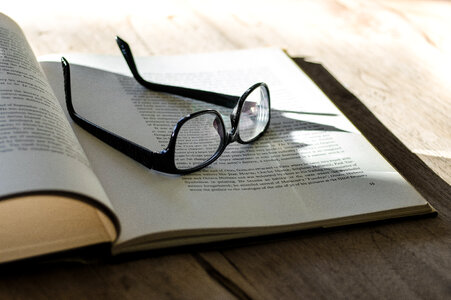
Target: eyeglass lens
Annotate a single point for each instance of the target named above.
(254, 114)
(198, 140)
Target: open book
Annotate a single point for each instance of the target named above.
(61, 188)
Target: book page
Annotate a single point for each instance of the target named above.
(40, 224)
(39, 153)
(312, 165)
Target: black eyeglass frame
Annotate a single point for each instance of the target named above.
(206, 96)
(164, 161)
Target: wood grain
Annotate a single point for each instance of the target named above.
(394, 57)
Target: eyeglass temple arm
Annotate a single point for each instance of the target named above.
(134, 151)
(210, 97)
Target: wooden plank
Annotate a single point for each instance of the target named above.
(167, 277)
(392, 261)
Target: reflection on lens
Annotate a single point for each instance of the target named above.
(254, 114)
(198, 140)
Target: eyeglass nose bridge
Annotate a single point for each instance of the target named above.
(232, 136)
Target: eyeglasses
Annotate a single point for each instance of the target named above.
(197, 139)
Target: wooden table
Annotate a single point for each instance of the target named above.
(394, 56)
